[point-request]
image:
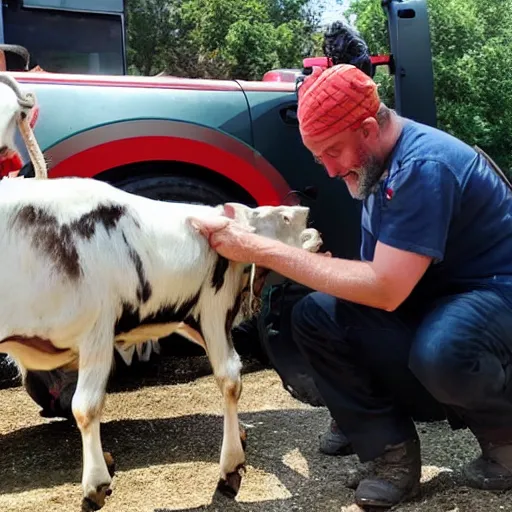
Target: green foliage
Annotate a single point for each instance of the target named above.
(472, 56)
(148, 36)
(251, 48)
(219, 38)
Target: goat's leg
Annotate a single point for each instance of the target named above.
(226, 367)
(95, 362)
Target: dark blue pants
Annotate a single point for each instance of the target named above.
(378, 371)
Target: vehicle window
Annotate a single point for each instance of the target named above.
(67, 42)
(79, 5)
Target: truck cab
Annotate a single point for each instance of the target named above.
(189, 139)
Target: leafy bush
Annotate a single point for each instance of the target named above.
(472, 59)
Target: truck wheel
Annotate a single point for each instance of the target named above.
(197, 191)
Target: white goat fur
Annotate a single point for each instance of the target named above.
(46, 299)
(9, 108)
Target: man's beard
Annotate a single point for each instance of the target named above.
(369, 176)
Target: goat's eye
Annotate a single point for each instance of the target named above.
(286, 219)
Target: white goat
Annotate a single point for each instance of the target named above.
(86, 266)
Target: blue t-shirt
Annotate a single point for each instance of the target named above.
(440, 198)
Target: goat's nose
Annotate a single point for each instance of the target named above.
(3, 150)
(311, 240)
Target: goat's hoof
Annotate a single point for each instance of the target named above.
(111, 465)
(96, 500)
(230, 485)
(243, 437)
(88, 505)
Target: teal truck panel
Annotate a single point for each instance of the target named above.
(69, 109)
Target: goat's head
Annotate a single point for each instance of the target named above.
(287, 224)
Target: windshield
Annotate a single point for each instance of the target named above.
(68, 42)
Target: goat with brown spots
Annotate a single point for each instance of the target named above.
(87, 267)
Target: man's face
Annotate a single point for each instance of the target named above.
(351, 159)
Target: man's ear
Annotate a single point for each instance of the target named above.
(369, 129)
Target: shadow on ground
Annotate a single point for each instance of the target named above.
(49, 455)
(282, 445)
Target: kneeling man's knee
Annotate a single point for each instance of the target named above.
(453, 370)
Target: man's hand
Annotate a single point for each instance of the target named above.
(229, 238)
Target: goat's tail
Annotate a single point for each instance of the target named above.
(34, 151)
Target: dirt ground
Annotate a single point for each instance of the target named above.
(165, 437)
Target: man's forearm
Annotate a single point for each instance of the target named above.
(355, 281)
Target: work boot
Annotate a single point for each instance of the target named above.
(394, 477)
(334, 442)
(492, 471)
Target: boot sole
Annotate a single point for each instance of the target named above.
(475, 477)
(488, 484)
(413, 493)
(340, 451)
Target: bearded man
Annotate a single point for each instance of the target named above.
(421, 327)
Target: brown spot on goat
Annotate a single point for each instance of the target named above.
(230, 317)
(57, 240)
(219, 273)
(48, 236)
(106, 215)
(144, 289)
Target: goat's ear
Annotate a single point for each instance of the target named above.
(229, 211)
(300, 209)
(237, 211)
(300, 213)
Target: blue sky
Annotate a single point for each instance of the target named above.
(332, 9)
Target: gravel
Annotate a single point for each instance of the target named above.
(164, 430)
